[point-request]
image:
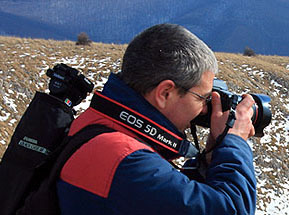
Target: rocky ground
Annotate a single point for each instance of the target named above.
(23, 66)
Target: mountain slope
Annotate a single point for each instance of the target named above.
(226, 25)
(24, 62)
(231, 25)
(26, 27)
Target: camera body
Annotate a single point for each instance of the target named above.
(68, 85)
(261, 110)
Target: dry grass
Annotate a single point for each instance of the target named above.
(23, 60)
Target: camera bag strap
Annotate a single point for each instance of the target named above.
(44, 200)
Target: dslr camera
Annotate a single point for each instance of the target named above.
(261, 110)
(68, 85)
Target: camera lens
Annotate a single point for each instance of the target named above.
(261, 110)
(262, 113)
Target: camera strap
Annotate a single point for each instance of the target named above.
(229, 124)
(152, 132)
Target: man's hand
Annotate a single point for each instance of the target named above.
(243, 125)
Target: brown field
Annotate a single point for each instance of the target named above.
(23, 61)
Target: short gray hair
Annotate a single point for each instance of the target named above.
(166, 52)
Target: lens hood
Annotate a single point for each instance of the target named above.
(262, 113)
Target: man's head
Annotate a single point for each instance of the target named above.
(166, 51)
(164, 63)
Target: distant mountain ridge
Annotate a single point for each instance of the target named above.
(227, 26)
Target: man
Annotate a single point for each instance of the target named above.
(167, 78)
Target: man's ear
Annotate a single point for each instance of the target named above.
(160, 95)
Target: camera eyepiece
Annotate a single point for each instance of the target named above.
(261, 110)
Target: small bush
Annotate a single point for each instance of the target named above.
(83, 39)
(249, 52)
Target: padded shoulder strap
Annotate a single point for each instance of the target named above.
(75, 142)
(44, 200)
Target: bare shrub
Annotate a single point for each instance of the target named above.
(249, 52)
(83, 39)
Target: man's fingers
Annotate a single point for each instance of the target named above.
(216, 103)
(247, 101)
(252, 131)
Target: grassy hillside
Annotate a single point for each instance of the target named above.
(23, 63)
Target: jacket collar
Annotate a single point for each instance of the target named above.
(117, 90)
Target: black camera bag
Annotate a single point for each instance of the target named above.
(34, 158)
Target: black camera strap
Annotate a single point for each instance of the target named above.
(152, 132)
(201, 157)
(231, 119)
(229, 124)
